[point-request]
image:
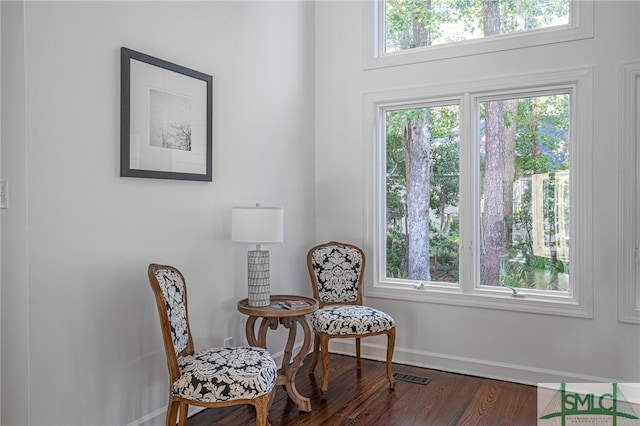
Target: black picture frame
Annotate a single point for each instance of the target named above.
(166, 119)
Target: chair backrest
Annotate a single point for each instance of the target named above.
(170, 290)
(336, 271)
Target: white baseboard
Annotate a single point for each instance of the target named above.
(463, 365)
(150, 418)
(157, 417)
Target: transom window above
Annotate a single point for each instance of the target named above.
(409, 31)
(411, 24)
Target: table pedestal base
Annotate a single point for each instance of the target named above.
(287, 374)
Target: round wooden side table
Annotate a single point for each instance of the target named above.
(272, 317)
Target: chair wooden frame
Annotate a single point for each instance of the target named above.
(180, 406)
(321, 340)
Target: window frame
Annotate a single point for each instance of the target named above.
(580, 27)
(629, 231)
(576, 303)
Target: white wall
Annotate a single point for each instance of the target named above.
(15, 291)
(80, 334)
(516, 346)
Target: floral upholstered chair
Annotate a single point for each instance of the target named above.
(214, 377)
(336, 271)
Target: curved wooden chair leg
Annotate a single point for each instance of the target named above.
(172, 413)
(391, 343)
(184, 411)
(271, 398)
(316, 350)
(324, 343)
(262, 409)
(358, 362)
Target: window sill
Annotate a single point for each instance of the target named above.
(498, 298)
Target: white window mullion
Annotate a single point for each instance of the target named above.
(469, 214)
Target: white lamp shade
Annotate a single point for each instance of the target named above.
(257, 225)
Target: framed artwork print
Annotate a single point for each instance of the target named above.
(166, 119)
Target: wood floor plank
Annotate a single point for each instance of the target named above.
(499, 403)
(439, 402)
(363, 398)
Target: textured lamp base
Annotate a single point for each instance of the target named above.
(258, 273)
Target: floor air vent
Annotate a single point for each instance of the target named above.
(411, 378)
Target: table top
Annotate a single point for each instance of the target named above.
(273, 312)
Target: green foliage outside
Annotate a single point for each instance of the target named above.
(444, 158)
(541, 147)
(450, 21)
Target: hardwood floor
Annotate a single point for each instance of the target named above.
(363, 398)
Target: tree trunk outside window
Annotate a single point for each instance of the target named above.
(493, 224)
(416, 138)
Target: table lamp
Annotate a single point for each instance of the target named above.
(257, 225)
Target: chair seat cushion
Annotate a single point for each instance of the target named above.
(350, 319)
(224, 374)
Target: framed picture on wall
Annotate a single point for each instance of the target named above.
(166, 119)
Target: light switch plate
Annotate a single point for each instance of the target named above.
(4, 194)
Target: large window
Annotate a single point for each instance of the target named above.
(484, 197)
